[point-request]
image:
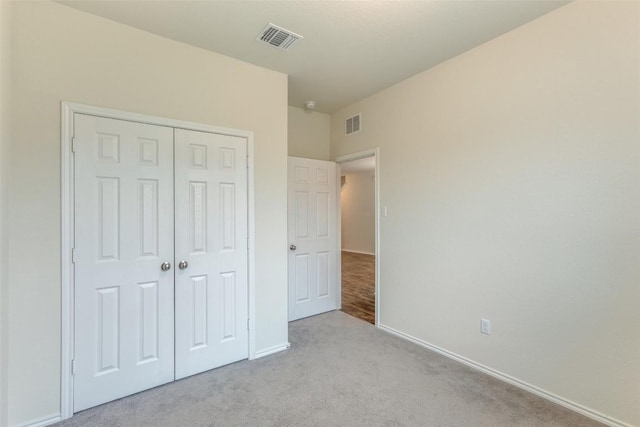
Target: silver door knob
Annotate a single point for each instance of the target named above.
(293, 247)
(183, 265)
(165, 266)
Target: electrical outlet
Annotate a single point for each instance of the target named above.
(485, 326)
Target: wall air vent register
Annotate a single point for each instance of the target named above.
(352, 124)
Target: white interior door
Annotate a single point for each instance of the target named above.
(312, 232)
(211, 251)
(123, 233)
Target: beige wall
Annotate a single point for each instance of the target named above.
(60, 54)
(309, 134)
(512, 181)
(5, 132)
(357, 206)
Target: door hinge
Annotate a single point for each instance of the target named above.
(73, 255)
(247, 162)
(247, 324)
(73, 144)
(73, 366)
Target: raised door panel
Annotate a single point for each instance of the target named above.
(302, 278)
(108, 218)
(149, 316)
(148, 218)
(226, 216)
(198, 292)
(323, 215)
(228, 307)
(323, 272)
(107, 319)
(197, 217)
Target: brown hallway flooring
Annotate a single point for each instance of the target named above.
(358, 285)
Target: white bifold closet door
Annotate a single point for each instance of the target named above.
(160, 261)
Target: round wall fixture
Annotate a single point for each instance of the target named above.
(310, 105)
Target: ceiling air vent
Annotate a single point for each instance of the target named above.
(353, 124)
(278, 37)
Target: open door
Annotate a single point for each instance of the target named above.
(312, 232)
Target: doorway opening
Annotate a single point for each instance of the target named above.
(359, 235)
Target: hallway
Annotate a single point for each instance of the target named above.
(358, 285)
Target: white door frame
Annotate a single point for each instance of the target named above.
(375, 153)
(67, 198)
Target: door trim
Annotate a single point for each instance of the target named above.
(375, 153)
(67, 197)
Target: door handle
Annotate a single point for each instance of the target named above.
(165, 266)
(292, 248)
(183, 265)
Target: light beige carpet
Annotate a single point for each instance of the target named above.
(340, 371)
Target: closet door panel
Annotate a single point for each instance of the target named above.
(124, 314)
(211, 244)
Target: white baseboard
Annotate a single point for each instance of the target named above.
(45, 421)
(511, 380)
(358, 252)
(272, 350)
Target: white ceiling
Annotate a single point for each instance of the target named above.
(350, 50)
